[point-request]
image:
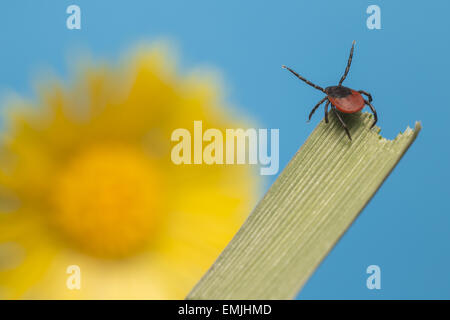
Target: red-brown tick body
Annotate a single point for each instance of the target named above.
(345, 99)
(341, 98)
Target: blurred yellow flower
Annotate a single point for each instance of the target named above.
(86, 179)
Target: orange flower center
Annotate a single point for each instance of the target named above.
(108, 201)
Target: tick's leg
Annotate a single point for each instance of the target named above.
(373, 111)
(349, 62)
(315, 108)
(342, 122)
(303, 79)
(326, 111)
(367, 94)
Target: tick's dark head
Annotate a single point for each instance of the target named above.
(338, 91)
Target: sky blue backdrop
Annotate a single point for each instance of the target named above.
(405, 228)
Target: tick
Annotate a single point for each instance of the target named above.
(342, 98)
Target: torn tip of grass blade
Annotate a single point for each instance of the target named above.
(305, 212)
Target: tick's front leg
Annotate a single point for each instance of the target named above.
(326, 111)
(315, 107)
(375, 116)
(336, 113)
(367, 94)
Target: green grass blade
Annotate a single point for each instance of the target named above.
(305, 212)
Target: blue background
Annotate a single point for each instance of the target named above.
(405, 65)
